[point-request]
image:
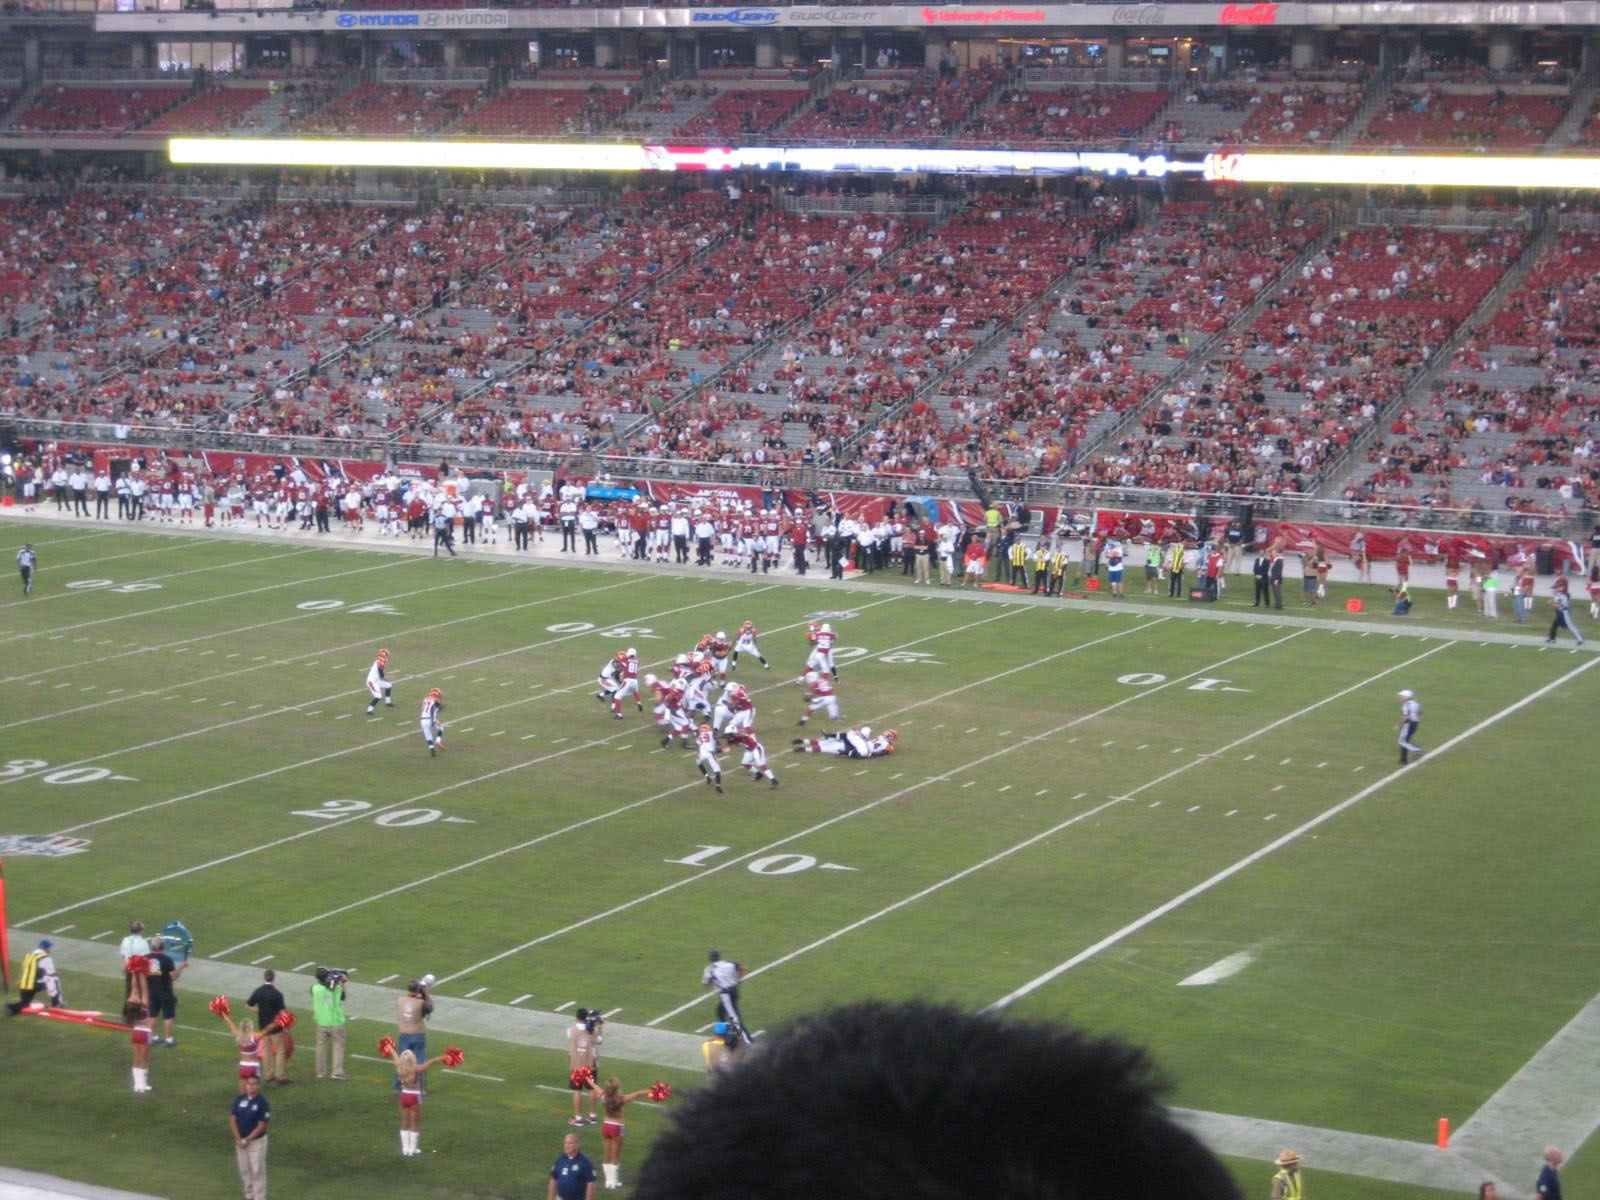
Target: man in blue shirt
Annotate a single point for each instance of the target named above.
(1549, 1185)
(249, 1118)
(572, 1177)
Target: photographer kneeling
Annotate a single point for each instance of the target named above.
(327, 1008)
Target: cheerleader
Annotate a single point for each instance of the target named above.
(249, 1043)
(142, 1024)
(407, 1071)
(612, 1098)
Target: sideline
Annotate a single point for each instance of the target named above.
(1424, 576)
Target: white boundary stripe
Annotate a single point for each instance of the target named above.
(992, 859)
(870, 805)
(1271, 847)
(68, 593)
(547, 836)
(156, 612)
(332, 754)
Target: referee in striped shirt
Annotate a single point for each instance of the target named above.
(1410, 718)
(1563, 617)
(27, 560)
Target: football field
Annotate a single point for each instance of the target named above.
(1192, 832)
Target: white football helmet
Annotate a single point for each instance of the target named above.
(682, 660)
(721, 637)
(631, 652)
(649, 681)
(826, 628)
(866, 731)
(809, 677)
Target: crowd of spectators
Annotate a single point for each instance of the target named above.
(1438, 116)
(1073, 114)
(1281, 401)
(1514, 424)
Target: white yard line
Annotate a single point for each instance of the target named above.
(233, 634)
(332, 754)
(70, 593)
(56, 568)
(168, 608)
(868, 807)
(266, 663)
(1289, 838)
(530, 842)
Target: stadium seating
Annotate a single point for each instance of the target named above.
(111, 109)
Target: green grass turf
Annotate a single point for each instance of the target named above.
(1049, 791)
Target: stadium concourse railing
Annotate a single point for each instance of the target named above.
(816, 481)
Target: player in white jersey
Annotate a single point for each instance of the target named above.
(746, 644)
(754, 758)
(432, 722)
(852, 743)
(379, 688)
(822, 638)
(819, 695)
(706, 757)
(697, 688)
(610, 676)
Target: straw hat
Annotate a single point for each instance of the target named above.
(1287, 1158)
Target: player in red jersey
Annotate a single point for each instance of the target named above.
(719, 650)
(754, 758)
(821, 657)
(819, 695)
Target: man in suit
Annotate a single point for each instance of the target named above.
(1275, 576)
(1263, 565)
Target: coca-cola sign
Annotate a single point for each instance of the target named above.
(1248, 14)
(1139, 14)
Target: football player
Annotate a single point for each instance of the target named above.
(822, 638)
(379, 688)
(432, 724)
(630, 683)
(852, 743)
(611, 680)
(668, 711)
(754, 758)
(719, 650)
(735, 710)
(819, 694)
(706, 760)
(747, 644)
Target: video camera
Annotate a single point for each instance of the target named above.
(591, 1018)
(334, 976)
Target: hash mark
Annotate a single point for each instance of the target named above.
(1041, 792)
(1270, 816)
(1277, 787)
(1195, 808)
(386, 978)
(256, 962)
(524, 996)
(98, 936)
(1005, 787)
(969, 783)
(476, 992)
(1230, 812)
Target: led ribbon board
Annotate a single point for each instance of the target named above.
(1419, 170)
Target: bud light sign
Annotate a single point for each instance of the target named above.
(737, 16)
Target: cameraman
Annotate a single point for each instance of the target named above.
(327, 1009)
(414, 1006)
(583, 1050)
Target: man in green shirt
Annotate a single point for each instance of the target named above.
(327, 1006)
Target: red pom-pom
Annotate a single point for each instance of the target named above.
(583, 1077)
(284, 1019)
(219, 1005)
(386, 1046)
(138, 965)
(660, 1091)
(454, 1056)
